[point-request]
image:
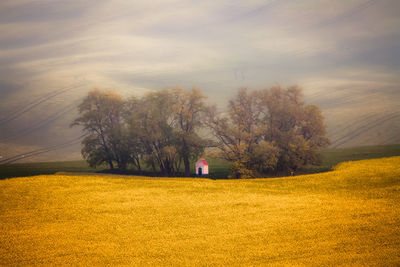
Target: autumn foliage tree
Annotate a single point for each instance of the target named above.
(240, 134)
(151, 123)
(100, 115)
(165, 123)
(268, 131)
(160, 129)
(296, 129)
(189, 111)
(262, 132)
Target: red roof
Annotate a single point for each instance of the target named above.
(204, 161)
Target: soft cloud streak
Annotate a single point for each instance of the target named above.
(345, 54)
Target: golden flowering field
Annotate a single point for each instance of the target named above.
(349, 216)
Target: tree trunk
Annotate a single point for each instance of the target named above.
(185, 157)
(106, 149)
(111, 165)
(138, 165)
(186, 162)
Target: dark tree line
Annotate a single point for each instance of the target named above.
(262, 132)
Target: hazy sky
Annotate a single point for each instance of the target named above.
(345, 54)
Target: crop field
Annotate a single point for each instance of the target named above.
(349, 216)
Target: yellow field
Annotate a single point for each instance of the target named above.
(348, 216)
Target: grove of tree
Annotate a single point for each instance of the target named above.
(159, 130)
(268, 131)
(262, 132)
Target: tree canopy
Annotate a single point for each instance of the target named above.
(100, 115)
(262, 132)
(159, 129)
(268, 131)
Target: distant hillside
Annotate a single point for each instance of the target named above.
(359, 117)
(334, 156)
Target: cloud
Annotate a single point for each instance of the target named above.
(337, 49)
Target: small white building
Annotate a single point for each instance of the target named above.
(201, 167)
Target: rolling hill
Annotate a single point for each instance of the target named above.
(345, 217)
